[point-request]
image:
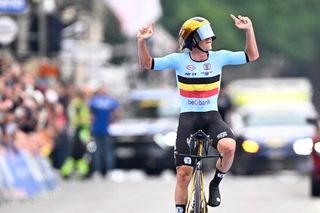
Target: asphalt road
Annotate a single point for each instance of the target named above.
(123, 192)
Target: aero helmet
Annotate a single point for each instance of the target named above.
(194, 30)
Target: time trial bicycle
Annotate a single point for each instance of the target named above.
(199, 143)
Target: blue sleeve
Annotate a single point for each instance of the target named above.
(166, 62)
(233, 58)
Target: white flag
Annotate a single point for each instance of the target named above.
(133, 14)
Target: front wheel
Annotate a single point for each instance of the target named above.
(196, 200)
(200, 203)
(197, 194)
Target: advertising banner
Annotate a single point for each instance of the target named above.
(12, 6)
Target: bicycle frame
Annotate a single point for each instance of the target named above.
(197, 202)
(199, 142)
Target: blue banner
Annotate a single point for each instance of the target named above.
(46, 170)
(12, 6)
(21, 172)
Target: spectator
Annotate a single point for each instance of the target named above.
(61, 139)
(104, 109)
(80, 123)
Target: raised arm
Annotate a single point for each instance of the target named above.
(243, 22)
(145, 59)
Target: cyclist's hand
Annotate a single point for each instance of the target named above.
(241, 22)
(145, 32)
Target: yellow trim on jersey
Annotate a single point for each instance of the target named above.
(199, 87)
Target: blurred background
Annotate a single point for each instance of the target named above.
(58, 54)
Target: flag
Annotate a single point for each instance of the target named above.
(132, 15)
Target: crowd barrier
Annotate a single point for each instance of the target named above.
(24, 175)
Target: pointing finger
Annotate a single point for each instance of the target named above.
(233, 17)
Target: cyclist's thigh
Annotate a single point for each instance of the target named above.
(218, 129)
(185, 128)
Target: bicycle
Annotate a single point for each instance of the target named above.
(199, 143)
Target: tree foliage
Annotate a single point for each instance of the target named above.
(289, 28)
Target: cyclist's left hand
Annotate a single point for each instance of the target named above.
(241, 22)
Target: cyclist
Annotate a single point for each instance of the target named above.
(198, 74)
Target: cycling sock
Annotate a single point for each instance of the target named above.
(180, 208)
(217, 178)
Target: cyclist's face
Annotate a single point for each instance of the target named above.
(206, 44)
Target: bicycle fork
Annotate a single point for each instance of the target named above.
(197, 201)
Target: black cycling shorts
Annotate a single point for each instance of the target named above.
(210, 122)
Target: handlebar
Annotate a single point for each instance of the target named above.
(219, 155)
(199, 137)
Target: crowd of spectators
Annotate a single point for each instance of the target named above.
(31, 119)
(35, 127)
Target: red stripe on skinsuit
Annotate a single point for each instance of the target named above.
(199, 94)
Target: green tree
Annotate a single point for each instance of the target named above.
(217, 12)
(289, 27)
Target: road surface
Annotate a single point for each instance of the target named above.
(132, 191)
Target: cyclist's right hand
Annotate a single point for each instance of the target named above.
(145, 32)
